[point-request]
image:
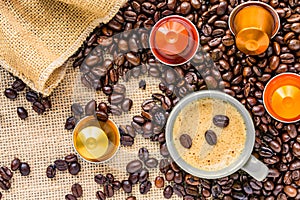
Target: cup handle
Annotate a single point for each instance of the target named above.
(256, 168)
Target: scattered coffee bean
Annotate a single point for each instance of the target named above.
(100, 179)
(185, 141)
(18, 85)
(126, 105)
(134, 166)
(131, 198)
(221, 121)
(90, 107)
(145, 187)
(151, 162)
(24, 169)
(10, 93)
(143, 175)
(5, 173)
(77, 109)
(100, 195)
(71, 158)
(70, 123)
(76, 190)
(159, 182)
(38, 107)
(116, 185)
(51, 171)
(211, 137)
(4, 185)
(70, 197)
(15, 164)
(74, 168)
(168, 192)
(61, 165)
(127, 186)
(31, 96)
(143, 154)
(108, 191)
(22, 112)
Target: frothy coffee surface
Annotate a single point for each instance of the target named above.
(195, 119)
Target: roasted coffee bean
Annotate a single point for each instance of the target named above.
(134, 178)
(131, 198)
(143, 154)
(101, 116)
(116, 185)
(168, 192)
(70, 123)
(15, 164)
(70, 197)
(178, 178)
(154, 71)
(0, 195)
(18, 85)
(77, 109)
(290, 191)
(77, 190)
(116, 98)
(108, 191)
(164, 165)
(126, 105)
(22, 112)
(169, 175)
(159, 182)
(5, 173)
(211, 137)
(61, 165)
(185, 141)
(164, 150)
(134, 166)
(221, 121)
(148, 8)
(100, 179)
(10, 93)
(127, 186)
(151, 163)
(24, 169)
(71, 158)
(143, 175)
(38, 107)
(46, 102)
(110, 177)
(31, 96)
(127, 140)
(51, 171)
(145, 187)
(100, 195)
(90, 107)
(74, 168)
(139, 120)
(4, 185)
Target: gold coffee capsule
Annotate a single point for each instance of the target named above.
(253, 24)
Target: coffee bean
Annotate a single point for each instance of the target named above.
(143, 154)
(74, 168)
(51, 171)
(211, 137)
(290, 191)
(70, 123)
(143, 175)
(18, 85)
(164, 165)
(15, 164)
(71, 158)
(164, 150)
(31, 96)
(46, 102)
(4, 185)
(169, 175)
(151, 163)
(22, 112)
(148, 8)
(127, 140)
(24, 169)
(145, 187)
(134, 177)
(38, 107)
(101, 116)
(142, 84)
(159, 182)
(126, 105)
(0, 195)
(178, 178)
(10, 93)
(148, 105)
(70, 197)
(185, 141)
(110, 177)
(100, 179)
(108, 191)
(76, 190)
(61, 165)
(134, 166)
(116, 98)
(100, 195)
(168, 192)
(154, 72)
(116, 185)
(127, 186)
(90, 107)
(5, 173)
(131, 198)
(221, 121)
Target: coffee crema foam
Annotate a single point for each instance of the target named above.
(195, 119)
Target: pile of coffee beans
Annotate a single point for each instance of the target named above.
(39, 103)
(110, 185)
(76, 192)
(70, 163)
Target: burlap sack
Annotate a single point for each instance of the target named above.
(37, 36)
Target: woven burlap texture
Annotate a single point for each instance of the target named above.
(38, 36)
(41, 139)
